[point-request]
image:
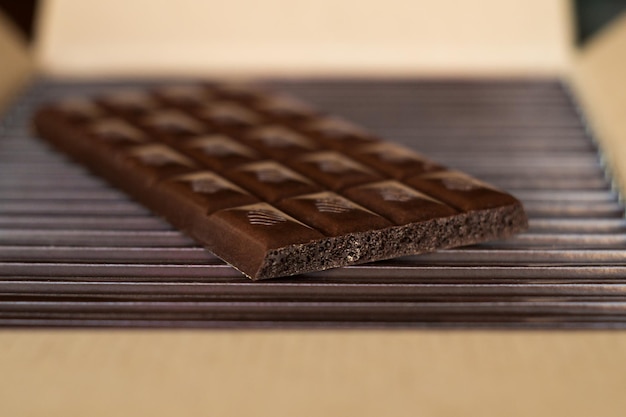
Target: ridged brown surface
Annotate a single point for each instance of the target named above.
(75, 252)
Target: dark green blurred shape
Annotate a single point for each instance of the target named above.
(593, 15)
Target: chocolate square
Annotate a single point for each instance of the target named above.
(398, 202)
(271, 180)
(278, 141)
(333, 170)
(332, 214)
(461, 191)
(394, 160)
(220, 152)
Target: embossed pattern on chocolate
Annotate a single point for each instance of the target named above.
(271, 185)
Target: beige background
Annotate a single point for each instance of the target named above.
(319, 373)
(302, 37)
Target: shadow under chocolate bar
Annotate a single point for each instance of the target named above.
(271, 185)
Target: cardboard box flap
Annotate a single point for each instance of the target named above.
(599, 80)
(16, 65)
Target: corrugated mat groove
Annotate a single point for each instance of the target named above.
(76, 252)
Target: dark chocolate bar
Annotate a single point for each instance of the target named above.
(271, 185)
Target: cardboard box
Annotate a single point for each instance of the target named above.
(313, 373)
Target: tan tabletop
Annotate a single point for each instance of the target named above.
(312, 373)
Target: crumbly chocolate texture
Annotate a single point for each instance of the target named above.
(269, 184)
